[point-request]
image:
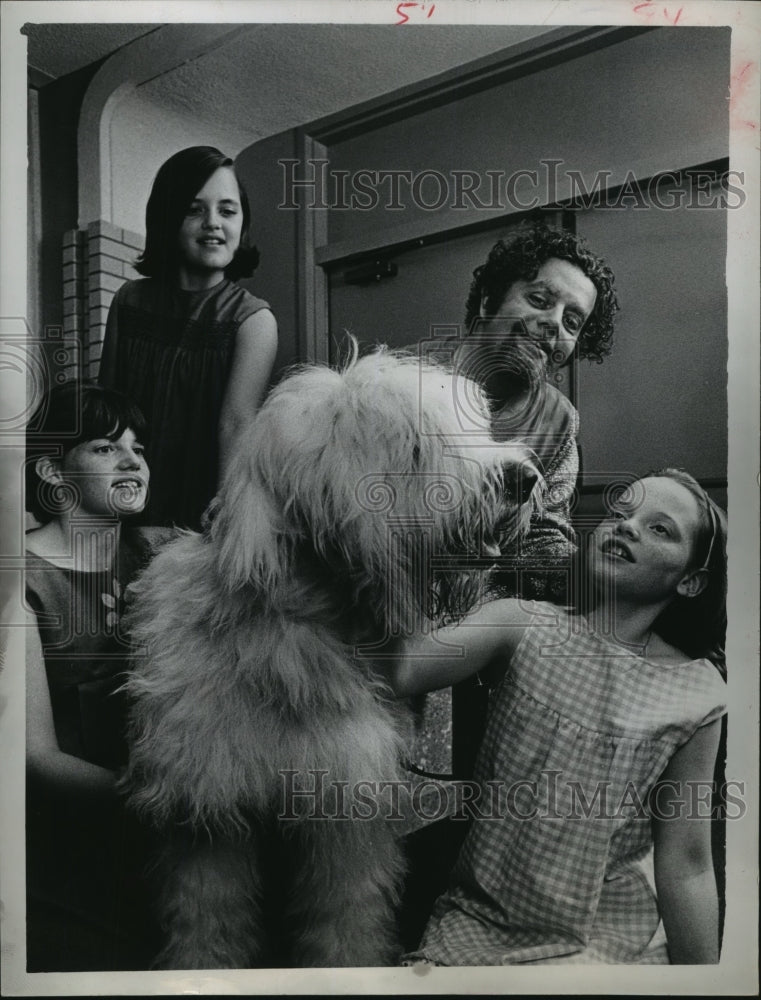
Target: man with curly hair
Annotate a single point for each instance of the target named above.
(540, 297)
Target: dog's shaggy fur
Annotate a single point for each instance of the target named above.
(347, 490)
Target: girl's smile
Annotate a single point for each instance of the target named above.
(110, 477)
(648, 541)
(614, 548)
(210, 232)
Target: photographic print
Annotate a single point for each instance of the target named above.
(379, 549)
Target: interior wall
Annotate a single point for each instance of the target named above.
(656, 101)
(274, 230)
(660, 398)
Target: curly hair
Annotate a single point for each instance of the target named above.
(68, 415)
(519, 259)
(177, 183)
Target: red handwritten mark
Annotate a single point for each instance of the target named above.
(650, 10)
(739, 85)
(400, 12)
(405, 17)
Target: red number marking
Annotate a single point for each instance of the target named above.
(400, 12)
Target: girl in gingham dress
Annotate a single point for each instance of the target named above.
(603, 727)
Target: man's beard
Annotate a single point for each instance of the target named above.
(507, 365)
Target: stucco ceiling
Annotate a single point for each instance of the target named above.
(277, 76)
(271, 77)
(58, 49)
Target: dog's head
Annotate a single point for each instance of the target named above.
(371, 477)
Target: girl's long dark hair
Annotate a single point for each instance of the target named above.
(177, 183)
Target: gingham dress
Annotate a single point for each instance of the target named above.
(556, 867)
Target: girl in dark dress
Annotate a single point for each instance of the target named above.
(193, 349)
(86, 474)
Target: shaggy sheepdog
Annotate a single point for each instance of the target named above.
(357, 510)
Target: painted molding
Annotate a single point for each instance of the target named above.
(312, 279)
(440, 226)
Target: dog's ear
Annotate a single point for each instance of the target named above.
(248, 531)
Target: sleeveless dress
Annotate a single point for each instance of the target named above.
(556, 866)
(171, 350)
(86, 908)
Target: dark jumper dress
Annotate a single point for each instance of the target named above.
(171, 351)
(87, 906)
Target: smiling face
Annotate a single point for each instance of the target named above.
(552, 308)
(210, 232)
(647, 545)
(109, 477)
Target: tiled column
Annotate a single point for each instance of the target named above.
(74, 313)
(96, 262)
(110, 254)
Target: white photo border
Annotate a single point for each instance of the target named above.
(736, 973)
